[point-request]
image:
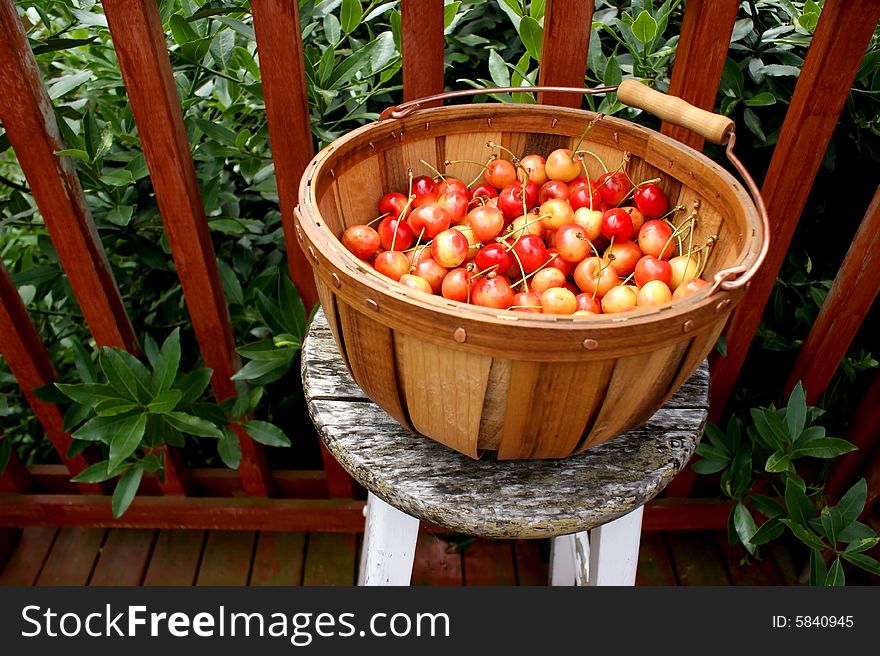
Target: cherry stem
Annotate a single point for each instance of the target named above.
(522, 281)
(521, 268)
(439, 175)
(677, 208)
(378, 218)
(586, 131)
(597, 158)
(708, 246)
(417, 255)
(492, 144)
(629, 277)
(632, 192)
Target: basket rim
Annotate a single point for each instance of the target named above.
(309, 218)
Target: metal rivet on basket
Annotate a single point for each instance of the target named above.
(313, 255)
(372, 147)
(427, 126)
(459, 335)
(332, 174)
(720, 305)
(489, 122)
(373, 305)
(591, 344)
(554, 122)
(335, 280)
(299, 233)
(688, 326)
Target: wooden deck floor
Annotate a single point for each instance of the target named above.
(82, 556)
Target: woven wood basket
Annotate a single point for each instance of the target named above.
(521, 385)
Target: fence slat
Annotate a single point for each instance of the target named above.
(863, 430)
(282, 68)
(29, 361)
(851, 296)
(564, 47)
(699, 59)
(422, 44)
(138, 37)
(29, 119)
(824, 83)
(15, 477)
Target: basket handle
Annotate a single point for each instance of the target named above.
(712, 127)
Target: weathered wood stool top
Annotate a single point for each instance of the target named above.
(490, 498)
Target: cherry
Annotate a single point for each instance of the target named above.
(394, 204)
(684, 267)
(637, 217)
(557, 262)
(583, 195)
(653, 293)
(457, 285)
(425, 190)
(623, 255)
(392, 264)
(562, 165)
(558, 300)
(586, 303)
(483, 190)
(650, 268)
(590, 221)
(552, 189)
(499, 173)
(527, 302)
(494, 255)
(494, 292)
(613, 187)
(448, 185)
(534, 166)
(651, 200)
(449, 248)
(455, 203)
(593, 276)
(572, 243)
(427, 267)
(415, 282)
(531, 252)
(556, 213)
(655, 238)
(689, 288)
(404, 237)
(430, 218)
(617, 224)
(620, 298)
(547, 279)
(510, 200)
(362, 240)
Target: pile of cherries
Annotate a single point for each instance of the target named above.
(535, 235)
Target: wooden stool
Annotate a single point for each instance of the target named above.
(411, 478)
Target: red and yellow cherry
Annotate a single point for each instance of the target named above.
(613, 187)
(649, 268)
(623, 255)
(493, 291)
(527, 224)
(637, 217)
(534, 166)
(586, 303)
(562, 165)
(447, 185)
(619, 298)
(457, 285)
(394, 204)
(513, 200)
(651, 200)
(530, 252)
(428, 268)
(556, 213)
(396, 232)
(362, 240)
(487, 222)
(449, 248)
(684, 267)
(594, 276)
(558, 300)
(553, 260)
(617, 224)
(392, 264)
(572, 243)
(552, 189)
(429, 220)
(655, 238)
(547, 278)
(688, 288)
(527, 302)
(455, 203)
(494, 257)
(425, 190)
(590, 221)
(653, 293)
(499, 173)
(415, 282)
(474, 244)
(483, 190)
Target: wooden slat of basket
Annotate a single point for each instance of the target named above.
(369, 347)
(699, 59)
(399, 161)
(466, 148)
(140, 46)
(795, 163)
(564, 47)
(360, 189)
(434, 380)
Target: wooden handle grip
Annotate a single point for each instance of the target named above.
(714, 127)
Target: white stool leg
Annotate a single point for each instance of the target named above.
(614, 550)
(570, 559)
(389, 545)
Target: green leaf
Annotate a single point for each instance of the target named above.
(644, 27)
(165, 401)
(768, 506)
(449, 12)
(708, 466)
(192, 425)
(266, 350)
(266, 433)
(856, 531)
(231, 284)
(118, 178)
(754, 123)
(5, 453)
(762, 99)
(229, 449)
(74, 152)
(181, 31)
(796, 411)
(824, 447)
(192, 386)
(75, 415)
(613, 75)
(126, 373)
(865, 562)
(126, 489)
(114, 407)
(350, 15)
(167, 363)
(217, 132)
(498, 70)
(779, 461)
(67, 83)
(810, 434)
(798, 503)
(863, 544)
(780, 70)
(102, 429)
(804, 535)
(96, 473)
(852, 502)
(54, 44)
(332, 29)
(745, 526)
(769, 530)
(531, 33)
(835, 576)
(832, 523)
(125, 438)
(770, 427)
(818, 572)
(256, 369)
(120, 215)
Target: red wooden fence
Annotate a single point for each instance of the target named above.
(308, 500)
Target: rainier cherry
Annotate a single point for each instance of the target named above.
(594, 276)
(392, 264)
(653, 293)
(394, 204)
(689, 288)
(623, 255)
(534, 167)
(527, 302)
(361, 240)
(684, 267)
(561, 165)
(557, 262)
(547, 279)
(558, 300)
(430, 218)
(655, 238)
(552, 189)
(447, 185)
(499, 173)
(494, 255)
(617, 224)
(586, 303)
(613, 187)
(428, 268)
(455, 203)
(487, 222)
(494, 292)
(619, 299)
(456, 285)
(415, 282)
(571, 243)
(556, 213)
(449, 248)
(513, 202)
(425, 190)
(651, 200)
(650, 268)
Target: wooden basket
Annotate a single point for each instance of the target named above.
(521, 385)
